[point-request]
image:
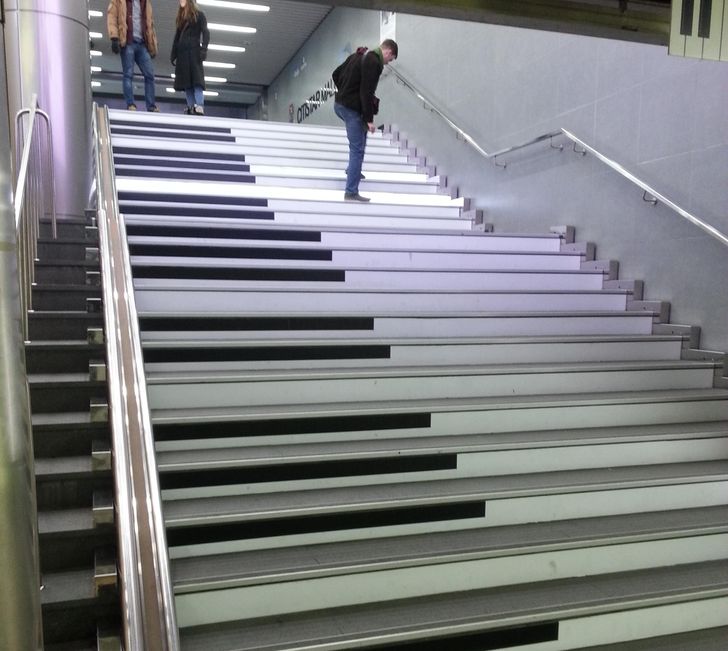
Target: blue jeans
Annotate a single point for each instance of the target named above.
(136, 52)
(356, 132)
(195, 96)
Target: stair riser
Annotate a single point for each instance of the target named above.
(187, 540)
(67, 442)
(332, 153)
(193, 133)
(64, 399)
(52, 299)
(185, 354)
(61, 360)
(64, 230)
(408, 328)
(71, 493)
(498, 418)
(391, 246)
(62, 274)
(178, 272)
(169, 171)
(199, 302)
(59, 552)
(62, 250)
(62, 327)
(79, 621)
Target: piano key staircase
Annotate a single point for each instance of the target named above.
(382, 426)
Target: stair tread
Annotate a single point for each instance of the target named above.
(217, 414)
(36, 379)
(66, 344)
(57, 467)
(438, 371)
(194, 459)
(62, 420)
(419, 618)
(303, 562)
(384, 495)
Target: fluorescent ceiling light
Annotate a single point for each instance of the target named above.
(227, 4)
(232, 28)
(218, 80)
(218, 64)
(95, 14)
(95, 83)
(209, 93)
(96, 53)
(95, 68)
(226, 48)
(95, 35)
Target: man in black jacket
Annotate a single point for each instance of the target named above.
(356, 80)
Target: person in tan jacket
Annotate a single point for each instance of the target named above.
(130, 24)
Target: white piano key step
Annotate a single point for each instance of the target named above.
(195, 299)
(206, 389)
(186, 353)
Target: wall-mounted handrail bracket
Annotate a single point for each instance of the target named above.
(581, 152)
(560, 146)
(497, 164)
(648, 198)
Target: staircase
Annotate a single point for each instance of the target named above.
(380, 427)
(66, 373)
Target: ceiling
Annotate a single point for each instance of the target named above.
(280, 34)
(285, 28)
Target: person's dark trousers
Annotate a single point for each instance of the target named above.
(356, 132)
(136, 52)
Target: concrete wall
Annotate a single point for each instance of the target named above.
(662, 117)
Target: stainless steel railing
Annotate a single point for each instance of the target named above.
(20, 608)
(35, 187)
(648, 192)
(145, 584)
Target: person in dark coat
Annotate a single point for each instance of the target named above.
(189, 50)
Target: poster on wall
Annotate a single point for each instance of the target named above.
(387, 25)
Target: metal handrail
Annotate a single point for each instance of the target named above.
(146, 588)
(34, 168)
(647, 189)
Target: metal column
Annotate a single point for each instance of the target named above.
(47, 50)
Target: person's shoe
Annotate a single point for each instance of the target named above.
(354, 196)
(188, 110)
(153, 109)
(131, 107)
(198, 110)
